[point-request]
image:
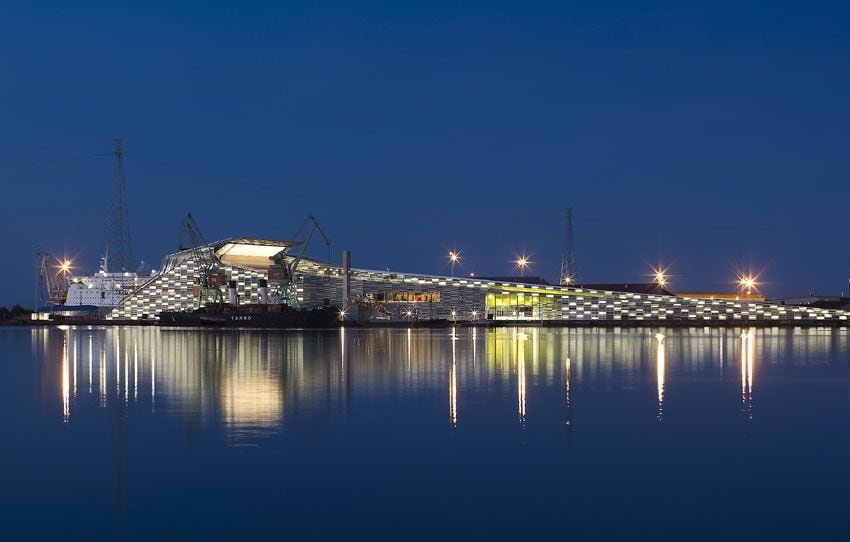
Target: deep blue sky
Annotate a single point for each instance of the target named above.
(702, 135)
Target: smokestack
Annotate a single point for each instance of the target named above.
(264, 292)
(346, 279)
(231, 288)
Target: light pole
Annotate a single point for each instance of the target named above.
(454, 257)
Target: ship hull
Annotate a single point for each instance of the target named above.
(327, 317)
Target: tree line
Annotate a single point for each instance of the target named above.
(15, 313)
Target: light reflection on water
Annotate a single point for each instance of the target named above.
(453, 381)
(579, 422)
(246, 382)
(659, 372)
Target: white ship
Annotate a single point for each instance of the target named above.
(85, 295)
(103, 290)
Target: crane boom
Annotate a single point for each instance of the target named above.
(206, 267)
(287, 293)
(55, 281)
(294, 265)
(189, 228)
(324, 235)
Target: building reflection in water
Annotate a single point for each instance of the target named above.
(474, 348)
(153, 378)
(66, 384)
(91, 361)
(249, 382)
(453, 381)
(343, 380)
(747, 347)
(659, 374)
(568, 418)
(519, 342)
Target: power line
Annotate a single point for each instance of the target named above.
(54, 160)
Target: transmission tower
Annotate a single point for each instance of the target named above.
(119, 251)
(568, 263)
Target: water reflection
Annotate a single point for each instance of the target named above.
(747, 340)
(568, 418)
(91, 361)
(66, 385)
(153, 378)
(659, 374)
(520, 338)
(347, 419)
(248, 383)
(453, 381)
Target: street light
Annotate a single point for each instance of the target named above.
(660, 278)
(522, 263)
(747, 282)
(454, 257)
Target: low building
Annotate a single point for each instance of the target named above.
(245, 266)
(817, 301)
(63, 312)
(724, 296)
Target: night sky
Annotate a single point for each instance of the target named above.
(704, 137)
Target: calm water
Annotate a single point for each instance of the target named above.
(400, 434)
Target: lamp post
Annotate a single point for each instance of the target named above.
(454, 257)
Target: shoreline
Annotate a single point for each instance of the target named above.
(377, 324)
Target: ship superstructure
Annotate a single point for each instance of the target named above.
(104, 290)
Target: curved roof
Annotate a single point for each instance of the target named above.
(247, 252)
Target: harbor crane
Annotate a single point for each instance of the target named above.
(208, 277)
(55, 279)
(284, 272)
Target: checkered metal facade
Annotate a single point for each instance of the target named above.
(389, 295)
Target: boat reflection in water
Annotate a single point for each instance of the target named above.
(249, 382)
